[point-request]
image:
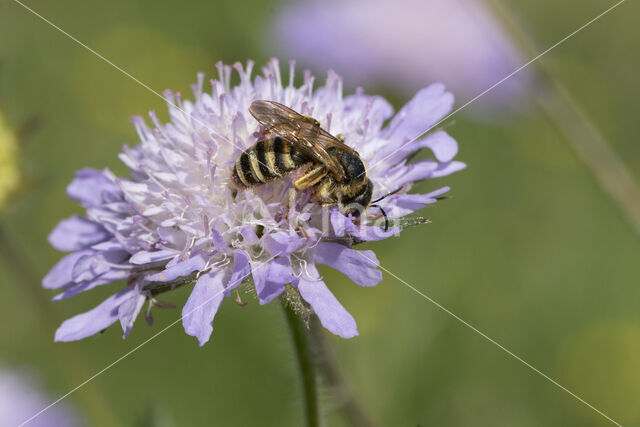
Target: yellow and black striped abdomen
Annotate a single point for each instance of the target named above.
(266, 161)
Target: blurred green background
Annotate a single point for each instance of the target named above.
(530, 250)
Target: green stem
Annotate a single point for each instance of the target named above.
(328, 365)
(302, 345)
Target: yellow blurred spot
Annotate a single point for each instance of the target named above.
(111, 98)
(602, 365)
(9, 174)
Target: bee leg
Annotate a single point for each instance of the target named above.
(311, 177)
(341, 137)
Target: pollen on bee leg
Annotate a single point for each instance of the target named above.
(341, 137)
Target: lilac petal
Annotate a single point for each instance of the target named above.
(374, 233)
(96, 320)
(343, 225)
(113, 275)
(416, 172)
(89, 187)
(171, 236)
(423, 111)
(270, 277)
(180, 269)
(129, 310)
(400, 205)
(62, 273)
(444, 147)
(202, 305)
(377, 107)
(77, 233)
(241, 269)
(218, 240)
(359, 266)
(445, 169)
(340, 223)
(109, 245)
(248, 235)
(145, 257)
(282, 243)
(97, 263)
(331, 313)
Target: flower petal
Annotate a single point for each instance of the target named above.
(415, 172)
(248, 235)
(96, 320)
(146, 257)
(110, 276)
(62, 273)
(270, 277)
(282, 243)
(129, 310)
(180, 269)
(202, 305)
(75, 233)
(378, 109)
(241, 269)
(331, 313)
(359, 266)
(90, 186)
(97, 263)
(400, 205)
(445, 169)
(343, 225)
(444, 147)
(423, 111)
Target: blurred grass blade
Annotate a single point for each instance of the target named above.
(583, 136)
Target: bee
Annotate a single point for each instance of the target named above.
(333, 170)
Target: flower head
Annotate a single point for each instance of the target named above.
(406, 45)
(179, 218)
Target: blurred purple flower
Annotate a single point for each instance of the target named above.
(179, 218)
(405, 44)
(21, 399)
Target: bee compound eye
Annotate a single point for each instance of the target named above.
(353, 166)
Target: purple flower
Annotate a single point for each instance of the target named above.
(179, 219)
(405, 45)
(21, 399)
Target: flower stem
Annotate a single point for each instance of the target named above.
(304, 353)
(344, 398)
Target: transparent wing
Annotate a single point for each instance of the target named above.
(304, 131)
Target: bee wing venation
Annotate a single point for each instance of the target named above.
(271, 114)
(300, 130)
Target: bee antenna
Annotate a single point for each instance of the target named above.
(384, 214)
(387, 195)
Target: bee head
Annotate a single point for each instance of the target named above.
(354, 168)
(357, 204)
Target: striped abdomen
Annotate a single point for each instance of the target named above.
(266, 161)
